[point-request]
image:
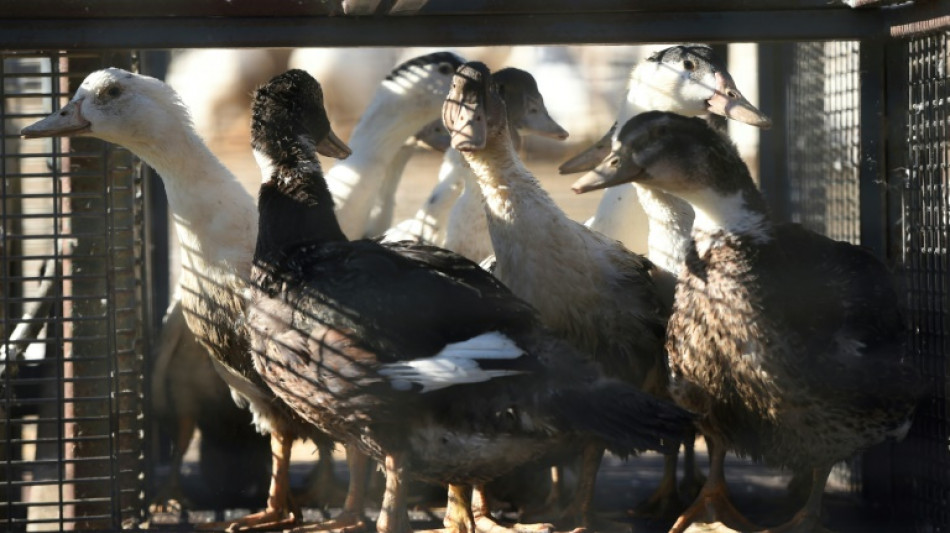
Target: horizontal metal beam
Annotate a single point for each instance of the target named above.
(440, 30)
(49, 9)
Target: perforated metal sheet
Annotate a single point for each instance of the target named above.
(926, 215)
(71, 392)
(824, 135)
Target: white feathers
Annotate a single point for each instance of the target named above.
(456, 364)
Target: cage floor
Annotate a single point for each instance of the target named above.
(758, 491)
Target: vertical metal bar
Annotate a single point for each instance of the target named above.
(157, 274)
(872, 191)
(773, 92)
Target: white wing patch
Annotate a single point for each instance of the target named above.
(456, 364)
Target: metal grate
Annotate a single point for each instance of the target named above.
(824, 138)
(71, 388)
(925, 216)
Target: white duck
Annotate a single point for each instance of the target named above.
(407, 99)
(216, 229)
(686, 79)
(587, 288)
(432, 135)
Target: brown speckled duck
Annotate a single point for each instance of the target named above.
(789, 344)
(413, 353)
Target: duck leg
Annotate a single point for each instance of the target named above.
(807, 519)
(394, 515)
(170, 498)
(665, 499)
(281, 512)
(458, 511)
(713, 504)
(693, 478)
(484, 523)
(323, 488)
(350, 519)
(579, 513)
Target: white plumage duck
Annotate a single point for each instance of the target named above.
(216, 233)
(407, 99)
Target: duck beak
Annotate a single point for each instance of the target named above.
(464, 111)
(614, 170)
(541, 123)
(588, 159)
(729, 102)
(65, 122)
(333, 146)
(435, 136)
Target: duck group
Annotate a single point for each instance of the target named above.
(568, 340)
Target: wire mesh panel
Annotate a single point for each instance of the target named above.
(71, 380)
(824, 132)
(925, 215)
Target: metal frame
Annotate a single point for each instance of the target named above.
(51, 24)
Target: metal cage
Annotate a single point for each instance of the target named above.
(71, 289)
(860, 151)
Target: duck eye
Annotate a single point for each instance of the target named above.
(614, 163)
(689, 65)
(445, 68)
(113, 91)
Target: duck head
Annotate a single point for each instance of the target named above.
(687, 79)
(671, 152)
(288, 115)
(434, 135)
(116, 106)
(422, 82)
(526, 111)
(473, 110)
(691, 80)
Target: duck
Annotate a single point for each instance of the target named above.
(466, 230)
(407, 99)
(688, 79)
(188, 395)
(588, 289)
(216, 234)
(462, 389)
(428, 222)
(691, 80)
(788, 344)
(432, 136)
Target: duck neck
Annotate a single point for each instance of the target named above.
(295, 207)
(670, 223)
(739, 214)
(377, 138)
(220, 232)
(521, 214)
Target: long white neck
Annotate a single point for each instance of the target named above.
(726, 213)
(215, 217)
(380, 133)
(529, 232)
(670, 222)
(466, 229)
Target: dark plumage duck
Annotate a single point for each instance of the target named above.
(417, 355)
(788, 343)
